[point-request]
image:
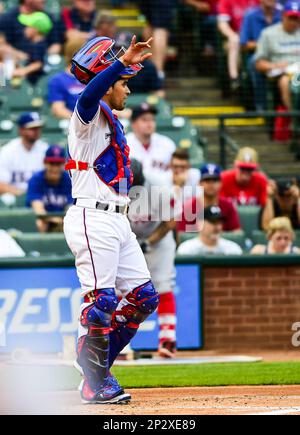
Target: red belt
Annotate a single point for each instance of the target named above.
(78, 166)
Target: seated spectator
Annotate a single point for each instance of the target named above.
(23, 156)
(50, 190)
(283, 200)
(181, 175)
(37, 27)
(153, 150)
(211, 185)
(64, 88)
(278, 49)
(148, 80)
(14, 30)
(230, 18)
(159, 14)
(9, 247)
(209, 240)
(78, 21)
(280, 237)
(255, 21)
(244, 184)
(208, 26)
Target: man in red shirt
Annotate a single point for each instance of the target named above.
(245, 185)
(211, 185)
(230, 18)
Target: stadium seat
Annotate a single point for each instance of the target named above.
(23, 98)
(239, 238)
(249, 216)
(18, 219)
(43, 244)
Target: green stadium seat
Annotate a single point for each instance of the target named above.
(23, 98)
(23, 220)
(239, 238)
(43, 244)
(249, 216)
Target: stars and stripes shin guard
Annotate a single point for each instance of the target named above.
(167, 318)
(131, 312)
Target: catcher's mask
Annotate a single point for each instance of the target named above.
(96, 56)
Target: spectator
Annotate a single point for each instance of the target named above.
(9, 247)
(159, 14)
(23, 156)
(280, 239)
(283, 200)
(182, 175)
(255, 21)
(153, 150)
(50, 190)
(64, 88)
(279, 48)
(208, 26)
(209, 241)
(244, 184)
(14, 31)
(147, 81)
(78, 21)
(211, 185)
(37, 27)
(230, 18)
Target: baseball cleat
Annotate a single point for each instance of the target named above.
(111, 393)
(167, 349)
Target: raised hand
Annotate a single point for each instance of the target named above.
(136, 52)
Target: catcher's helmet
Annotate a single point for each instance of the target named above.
(96, 56)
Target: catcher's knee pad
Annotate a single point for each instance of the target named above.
(139, 304)
(100, 312)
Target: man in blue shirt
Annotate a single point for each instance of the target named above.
(50, 190)
(255, 21)
(64, 88)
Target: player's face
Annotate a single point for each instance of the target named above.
(118, 95)
(37, 5)
(54, 171)
(281, 240)
(291, 23)
(179, 166)
(244, 176)
(31, 135)
(145, 125)
(211, 187)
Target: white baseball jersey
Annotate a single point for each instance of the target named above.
(86, 143)
(18, 165)
(157, 156)
(161, 259)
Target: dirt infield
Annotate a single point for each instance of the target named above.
(284, 400)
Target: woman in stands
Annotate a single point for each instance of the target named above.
(281, 238)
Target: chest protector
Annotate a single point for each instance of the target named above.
(113, 165)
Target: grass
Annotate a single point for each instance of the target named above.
(206, 375)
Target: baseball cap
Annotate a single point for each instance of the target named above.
(55, 154)
(292, 9)
(30, 120)
(141, 110)
(213, 214)
(247, 158)
(210, 171)
(38, 20)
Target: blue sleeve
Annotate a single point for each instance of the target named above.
(34, 192)
(56, 90)
(88, 103)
